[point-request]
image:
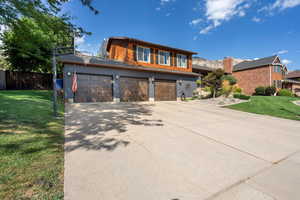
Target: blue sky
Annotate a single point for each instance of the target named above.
(213, 28)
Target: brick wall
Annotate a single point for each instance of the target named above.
(249, 79)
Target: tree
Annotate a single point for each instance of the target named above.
(28, 45)
(11, 11)
(231, 79)
(214, 81)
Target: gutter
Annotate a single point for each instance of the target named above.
(134, 68)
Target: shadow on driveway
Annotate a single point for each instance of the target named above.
(102, 126)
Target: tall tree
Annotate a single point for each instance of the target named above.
(214, 81)
(27, 46)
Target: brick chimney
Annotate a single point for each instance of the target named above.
(228, 65)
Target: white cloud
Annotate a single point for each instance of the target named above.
(207, 29)
(195, 37)
(256, 19)
(218, 11)
(196, 21)
(168, 14)
(162, 2)
(158, 8)
(281, 5)
(286, 61)
(282, 52)
(79, 40)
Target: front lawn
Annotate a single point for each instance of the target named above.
(277, 106)
(31, 146)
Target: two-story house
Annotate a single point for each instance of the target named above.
(132, 70)
(253, 73)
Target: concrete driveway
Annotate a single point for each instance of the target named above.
(178, 151)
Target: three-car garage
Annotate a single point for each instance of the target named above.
(104, 81)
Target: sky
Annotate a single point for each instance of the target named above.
(215, 29)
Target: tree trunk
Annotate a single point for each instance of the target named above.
(214, 94)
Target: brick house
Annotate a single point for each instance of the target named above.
(130, 70)
(253, 73)
(292, 81)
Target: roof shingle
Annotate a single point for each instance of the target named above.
(254, 63)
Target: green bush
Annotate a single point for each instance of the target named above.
(232, 80)
(285, 92)
(198, 82)
(238, 90)
(207, 89)
(241, 96)
(260, 90)
(270, 91)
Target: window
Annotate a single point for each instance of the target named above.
(164, 58)
(181, 61)
(143, 54)
(277, 68)
(277, 83)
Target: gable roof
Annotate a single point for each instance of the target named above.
(106, 63)
(147, 43)
(255, 63)
(293, 74)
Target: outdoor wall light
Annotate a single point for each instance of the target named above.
(180, 82)
(69, 73)
(117, 77)
(152, 79)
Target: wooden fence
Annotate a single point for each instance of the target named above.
(28, 81)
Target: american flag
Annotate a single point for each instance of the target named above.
(74, 84)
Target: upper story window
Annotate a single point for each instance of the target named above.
(164, 58)
(181, 60)
(277, 68)
(143, 54)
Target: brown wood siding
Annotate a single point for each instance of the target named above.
(134, 89)
(126, 52)
(276, 75)
(165, 90)
(93, 88)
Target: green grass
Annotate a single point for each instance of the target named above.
(277, 106)
(31, 146)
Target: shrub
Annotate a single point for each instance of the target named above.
(226, 88)
(198, 82)
(231, 79)
(270, 91)
(285, 92)
(260, 91)
(241, 96)
(207, 89)
(237, 90)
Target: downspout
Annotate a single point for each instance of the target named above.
(270, 75)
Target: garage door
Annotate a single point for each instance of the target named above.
(93, 88)
(134, 89)
(165, 90)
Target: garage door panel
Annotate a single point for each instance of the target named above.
(165, 90)
(93, 88)
(134, 89)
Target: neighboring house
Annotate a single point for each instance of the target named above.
(253, 73)
(292, 81)
(130, 70)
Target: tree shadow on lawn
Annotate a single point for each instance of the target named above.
(103, 126)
